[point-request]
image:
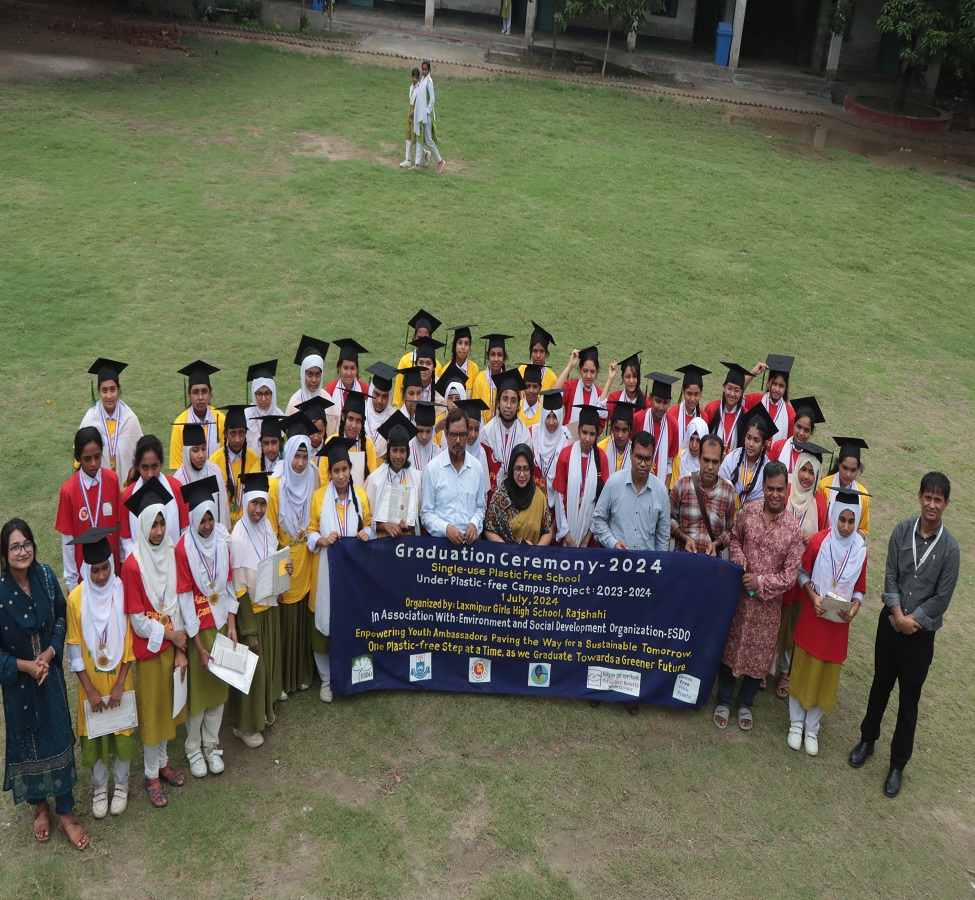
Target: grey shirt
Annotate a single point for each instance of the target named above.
(640, 519)
(924, 594)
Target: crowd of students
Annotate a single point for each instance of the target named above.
(156, 565)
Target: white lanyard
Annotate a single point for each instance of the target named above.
(92, 518)
(927, 553)
(112, 444)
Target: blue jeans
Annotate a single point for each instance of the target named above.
(726, 688)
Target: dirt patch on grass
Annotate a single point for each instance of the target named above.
(335, 148)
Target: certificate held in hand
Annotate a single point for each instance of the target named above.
(111, 721)
(272, 578)
(398, 505)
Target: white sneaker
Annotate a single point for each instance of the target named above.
(325, 694)
(794, 740)
(198, 765)
(214, 760)
(426, 159)
(120, 799)
(405, 164)
(99, 803)
(304, 687)
(283, 697)
(812, 744)
(251, 739)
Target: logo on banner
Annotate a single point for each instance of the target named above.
(539, 674)
(362, 668)
(478, 670)
(420, 668)
(620, 680)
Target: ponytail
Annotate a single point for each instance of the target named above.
(231, 492)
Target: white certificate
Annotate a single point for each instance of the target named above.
(236, 667)
(179, 691)
(109, 721)
(272, 579)
(398, 505)
(833, 605)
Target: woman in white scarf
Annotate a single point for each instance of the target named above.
(835, 561)
(311, 358)
(258, 622)
(548, 437)
(264, 393)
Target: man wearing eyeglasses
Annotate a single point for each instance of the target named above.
(452, 489)
(633, 511)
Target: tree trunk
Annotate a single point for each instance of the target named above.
(609, 33)
(555, 28)
(903, 82)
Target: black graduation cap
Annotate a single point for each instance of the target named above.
(494, 340)
(460, 331)
(355, 402)
(255, 482)
(382, 375)
(588, 414)
(426, 348)
(693, 375)
(198, 372)
(107, 370)
(587, 353)
(398, 429)
(197, 492)
(95, 547)
(473, 407)
(778, 363)
(152, 492)
(309, 345)
(236, 415)
(315, 408)
(812, 449)
(808, 406)
(848, 495)
(736, 374)
(661, 385)
(194, 435)
(759, 412)
(412, 377)
(551, 399)
(510, 380)
(337, 450)
(851, 446)
(423, 319)
(622, 412)
(266, 369)
(532, 374)
(425, 415)
(271, 426)
(451, 375)
(632, 360)
(540, 336)
(350, 349)
(298, 423)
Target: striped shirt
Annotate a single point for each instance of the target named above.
(685, 512)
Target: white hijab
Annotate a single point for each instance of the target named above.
(249, 544)
(254, 413)
(294, 500)
(208, 557)
(802, 504)
(103, 618)
(691, 464)
(548, 445)
(311, 361)
(157, 563)
(578, 512)
(840, 559)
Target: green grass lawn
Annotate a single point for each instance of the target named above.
(222, 206)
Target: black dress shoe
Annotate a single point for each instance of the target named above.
(892, 786)
(595, 703)
(860, 753)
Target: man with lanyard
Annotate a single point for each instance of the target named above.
(702, 505)
(655, 420)
(922, 571)
(679, 417)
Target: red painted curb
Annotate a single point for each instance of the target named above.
(923, 124)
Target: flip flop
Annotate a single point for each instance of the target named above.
(745, 718)
(172, 776)
(721, 714)
(42, 834)
(782, 691)
(78, 843)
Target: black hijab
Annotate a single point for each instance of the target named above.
(521, 498)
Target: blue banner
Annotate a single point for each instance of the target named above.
(424, 614)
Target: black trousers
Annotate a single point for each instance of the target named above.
(905, 659)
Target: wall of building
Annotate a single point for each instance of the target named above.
(860, 47)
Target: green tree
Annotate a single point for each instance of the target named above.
(931, 32)
(629, 13)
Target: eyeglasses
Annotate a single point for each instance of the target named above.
(457, 435)
(25, 547)
(523, 470)
(641, 460)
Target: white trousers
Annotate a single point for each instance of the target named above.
(203, 729)
(156, 758)
(324, 666)
(99, 773)
(809, 717)
(409, 146)
(429, 144)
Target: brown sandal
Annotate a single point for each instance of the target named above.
(42, 834)
(79, 843)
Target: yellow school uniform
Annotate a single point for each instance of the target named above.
(176, 438)
(316, 522)
(548, 379)
(371, 464)
(405, 363)
(253, 465)
(530, 420)
(616, 461)
(829, 495)
(301, 556)
(103, 682)
(483, 391)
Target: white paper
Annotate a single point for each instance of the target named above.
(109, 721)
(226, 655)
(358, 461)
(687, 688)
(272, 579)
(399, 505)
(239, 680)
(179, 691)
(622, 681)
(833, 605)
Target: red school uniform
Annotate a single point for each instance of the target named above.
(186, 584)
(183, 512)
(81, 508)
(560, 483)
(796, 593)
(137, 602)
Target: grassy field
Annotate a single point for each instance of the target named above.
(220, 207)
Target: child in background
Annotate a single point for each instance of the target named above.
(410, 136)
